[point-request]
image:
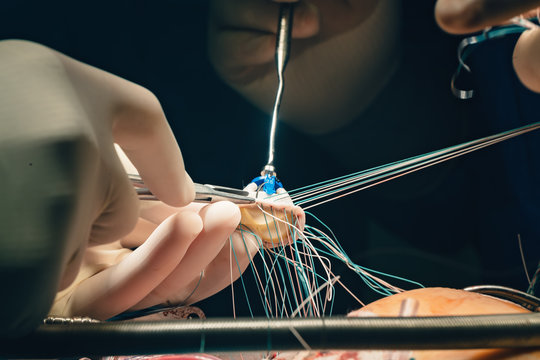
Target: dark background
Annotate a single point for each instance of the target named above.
(455, 224)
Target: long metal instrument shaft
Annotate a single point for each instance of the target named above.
(283, 40)
(517, 331)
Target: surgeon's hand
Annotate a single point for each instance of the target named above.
(64, 191)
(181, 255)
(465, 16)
(342, 54)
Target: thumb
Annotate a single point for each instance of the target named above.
(466, 16)
(525, 59)
(137, 122)
(141, 130)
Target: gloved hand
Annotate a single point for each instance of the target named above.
(173, 256)
(66, 196)
(180, 256)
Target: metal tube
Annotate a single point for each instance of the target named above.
(283, 46)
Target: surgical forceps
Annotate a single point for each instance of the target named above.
(203, 193)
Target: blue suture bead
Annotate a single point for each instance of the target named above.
(270, 184)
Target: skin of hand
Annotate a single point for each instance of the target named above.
(465, 16)
(525, 59)
(342, 54)
(182, 255)
(65, 190)
(172, 256)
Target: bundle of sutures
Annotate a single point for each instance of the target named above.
(296, 278)
(293, 273)
(296, 273)
(320, 193)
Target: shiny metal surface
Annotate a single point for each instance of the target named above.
(203, 193)
(283, 42)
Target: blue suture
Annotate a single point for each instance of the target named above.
(269, 183)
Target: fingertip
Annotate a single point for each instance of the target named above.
(457, 17)
(234, 212)
(187, 190)
(306, 21)
(251, 187)
(524, 59)
(222, 214)
(179, 192)
(186, 225)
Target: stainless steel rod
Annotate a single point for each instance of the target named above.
(218, 335)
(283, 46)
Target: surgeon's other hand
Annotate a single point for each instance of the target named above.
(180, 256)
(64, 189)
(342, 54)
(465, 16)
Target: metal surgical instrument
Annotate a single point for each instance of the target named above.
(521, 298)
(283, 41)
(203, 193)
